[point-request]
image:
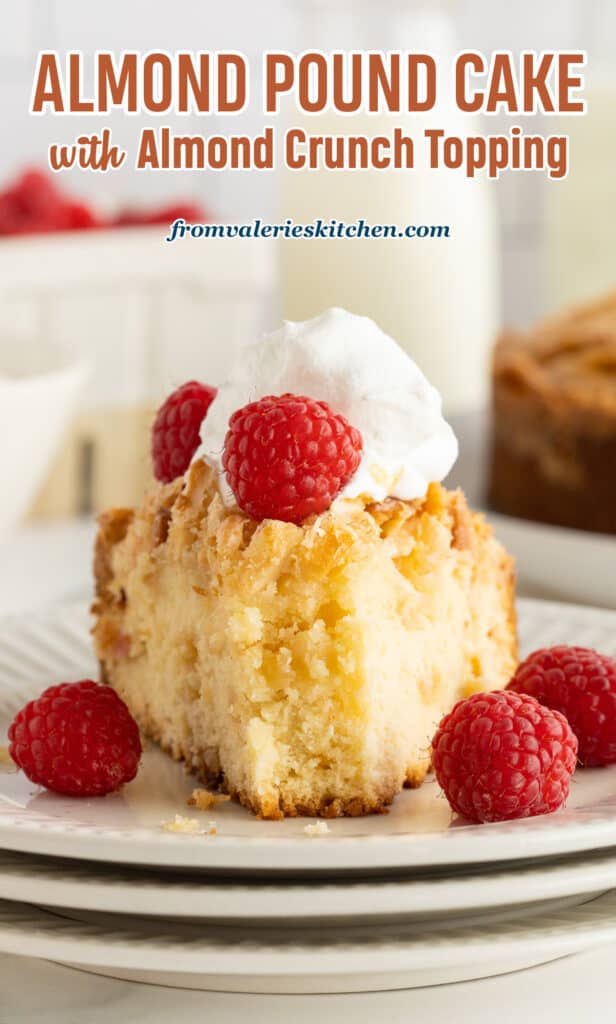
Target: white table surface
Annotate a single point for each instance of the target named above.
(41, 565)
(575, 990)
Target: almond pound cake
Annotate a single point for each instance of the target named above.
(554, 420)
(302, 668)
(293, 614)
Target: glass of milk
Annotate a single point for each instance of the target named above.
(438, 297)
(579, 253)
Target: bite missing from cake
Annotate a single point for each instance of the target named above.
(303, 667)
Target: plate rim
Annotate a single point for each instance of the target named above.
(78, 886)
(33, 931)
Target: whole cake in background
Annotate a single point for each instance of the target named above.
(554, 420)
(296, 635)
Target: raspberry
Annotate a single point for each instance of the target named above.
(77, 739)
(175, 434)
(581, 684)
(33, 203)
(287, 457)
(501, 755)
(79, 217)
(191, 212)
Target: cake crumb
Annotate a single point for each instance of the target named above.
(319, 828)
(181, 824)
(203, 800)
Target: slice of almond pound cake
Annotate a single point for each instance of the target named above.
(303, 669)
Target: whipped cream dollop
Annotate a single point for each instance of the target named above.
(349, 362)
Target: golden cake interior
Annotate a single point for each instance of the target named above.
(303, 669)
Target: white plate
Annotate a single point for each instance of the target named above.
(86, 886)
(552, 561)
(317, 960)
(418, 832)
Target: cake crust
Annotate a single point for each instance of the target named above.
(301, 670)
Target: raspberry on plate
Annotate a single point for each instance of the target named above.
(77, 739)
(287, 457)
(503, 755)
(581, 684)
(175, 433)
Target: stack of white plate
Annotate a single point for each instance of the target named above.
(410, 898)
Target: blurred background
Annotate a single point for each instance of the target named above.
(98, 322)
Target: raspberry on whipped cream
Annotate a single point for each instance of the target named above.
(350, 363)
(287, 457)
